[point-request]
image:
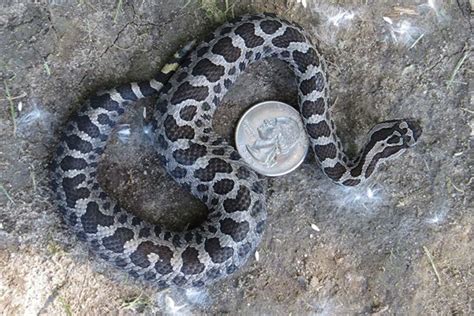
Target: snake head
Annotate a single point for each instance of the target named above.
(405, 133)
(387, 140)
(391, 138)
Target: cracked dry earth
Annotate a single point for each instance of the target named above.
(400, 245)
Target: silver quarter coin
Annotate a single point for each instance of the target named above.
(271, 138)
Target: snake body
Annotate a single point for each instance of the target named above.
(200, 160)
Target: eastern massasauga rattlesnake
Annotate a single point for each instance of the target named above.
(201, 161)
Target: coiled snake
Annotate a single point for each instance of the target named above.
(200, 160)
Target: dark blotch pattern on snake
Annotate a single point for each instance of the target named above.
(200, 160)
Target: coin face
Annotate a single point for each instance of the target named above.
(271, 138)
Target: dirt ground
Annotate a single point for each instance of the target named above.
(403, 244)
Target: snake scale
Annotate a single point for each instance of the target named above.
(201, 161)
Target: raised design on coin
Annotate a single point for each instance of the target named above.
(271, 138)
(275, 137)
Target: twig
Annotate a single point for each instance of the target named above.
(14, 98)
(186, 4)
(133, 303)
(123, 48)
(229, 7)
(12, 106)
(117, 9)
(456, 69)
(6, 194)
(454, 186)
(403, 10)
(33, 177)
(430, 258)
(416, 41)
(467, 110)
